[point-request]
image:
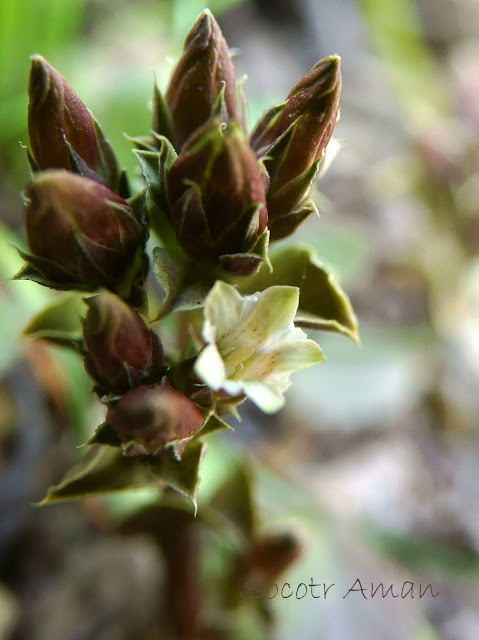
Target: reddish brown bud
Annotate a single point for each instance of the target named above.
(217, 193)
(197, 81)
(292, 138)
(272, 554)
(80, 233)
(56, 113)
(122, 351)
(156, 417)
(314, 104)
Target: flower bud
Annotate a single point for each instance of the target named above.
(217, 193)
(80, 233)
(56, 115)
(122, 351)
(155, 418)
(293, 139)
(199, 77)
(272, 554)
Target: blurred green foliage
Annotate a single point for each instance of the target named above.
(108, 56)
(399, 43)
(20, 36)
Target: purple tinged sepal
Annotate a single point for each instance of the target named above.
(263, 135)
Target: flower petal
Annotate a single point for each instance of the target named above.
(210, 367)
(222, 311)
(263, 396)
(272, 314)
(253, 344)
(297, 355)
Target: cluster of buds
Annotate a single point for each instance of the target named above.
(81, 232)
(215, 197)
(126, 360)
(224, 192)
(83, 235)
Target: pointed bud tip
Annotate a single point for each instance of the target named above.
(329, 67)
(206, 18)
(38, 61)
(40, 79)
(206, 15)
(203, 28)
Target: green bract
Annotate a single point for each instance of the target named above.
(252, 345)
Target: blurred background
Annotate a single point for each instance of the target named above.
(373, 463)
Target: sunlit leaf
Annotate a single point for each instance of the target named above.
(192, 297)
(106, 470)
(234, 501)
(215, 423)
(170, 272)
(60, 321)
(322, 303)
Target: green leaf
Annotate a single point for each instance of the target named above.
(162, 123)
(105, 434)
(154, 166)
(106, 470)
(115, 177)
(234, 501)
(142, 143)
(293, 191)
(265, 126)
(422, 555)
(150, 168)
(286, 224)
(260, 248)
(214, 423)
(323, 304)
(240, 264)
(30, 272)
(59, 322)
(192, 297)
(170, 272)
(182, 475)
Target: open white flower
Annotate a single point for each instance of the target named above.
(252, 345)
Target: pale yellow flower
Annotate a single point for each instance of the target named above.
(252, 345)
